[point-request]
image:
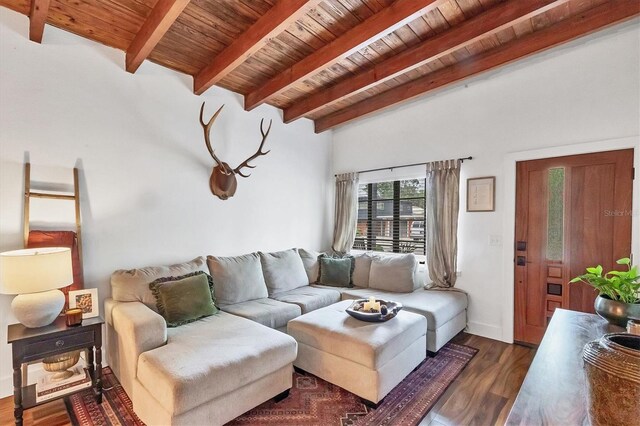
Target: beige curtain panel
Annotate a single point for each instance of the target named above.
(344, 231)
(442, 194)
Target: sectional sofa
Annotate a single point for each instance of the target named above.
(214, 369)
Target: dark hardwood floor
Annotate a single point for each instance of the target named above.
(482, 395)
(486, 389)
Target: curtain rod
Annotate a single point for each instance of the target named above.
(407, 165)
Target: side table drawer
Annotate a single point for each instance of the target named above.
(83, 339)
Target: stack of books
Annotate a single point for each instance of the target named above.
(47, 388)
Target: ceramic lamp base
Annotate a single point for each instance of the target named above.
(38, 309)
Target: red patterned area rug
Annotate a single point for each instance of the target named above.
(116, 408)
(312, 401)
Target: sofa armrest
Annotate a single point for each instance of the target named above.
(138, 330)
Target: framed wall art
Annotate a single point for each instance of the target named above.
(86, 300)
(481, 194)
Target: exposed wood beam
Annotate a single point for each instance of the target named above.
(468, 32)
(602, 16)
(37, 18)
(163, 15)
(272, 23)
(387, 20)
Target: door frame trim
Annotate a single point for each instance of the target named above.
(509, 202)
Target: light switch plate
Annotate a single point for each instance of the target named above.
(495, 240)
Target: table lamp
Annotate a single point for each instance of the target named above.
(35, 275)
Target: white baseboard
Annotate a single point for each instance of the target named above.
(6, 386)
(484, 330)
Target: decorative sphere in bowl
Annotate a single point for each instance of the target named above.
(388, 310)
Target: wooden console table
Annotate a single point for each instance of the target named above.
(554, 390)
(32, 344)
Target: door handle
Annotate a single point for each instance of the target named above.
(522, 261)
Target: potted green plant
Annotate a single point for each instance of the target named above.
(619, 298)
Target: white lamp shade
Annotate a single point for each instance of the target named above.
(35, 270)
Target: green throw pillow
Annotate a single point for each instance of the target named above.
(184, 299)
(336, 272)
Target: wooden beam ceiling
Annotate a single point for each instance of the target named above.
(468, 32)
(380, 24)
(37, 18)
(329, 60)
(569, 29)
(272, 23)
(163, 15)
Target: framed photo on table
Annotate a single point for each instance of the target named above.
(481, 194)
(87, 300)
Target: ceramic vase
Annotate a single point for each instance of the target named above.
(612, 367)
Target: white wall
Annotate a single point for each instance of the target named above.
(144, 165)
(585, 91)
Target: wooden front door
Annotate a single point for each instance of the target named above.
(571, 212)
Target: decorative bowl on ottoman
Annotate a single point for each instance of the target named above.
(374, 310)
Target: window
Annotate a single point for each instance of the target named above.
(391, 217)
(555, 216)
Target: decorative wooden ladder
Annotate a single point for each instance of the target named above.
(28, 193)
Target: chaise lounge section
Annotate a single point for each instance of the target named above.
(211, 371)
(205, 372)
(401, 279)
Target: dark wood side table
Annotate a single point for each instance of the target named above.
(29, 345)
(554, 392)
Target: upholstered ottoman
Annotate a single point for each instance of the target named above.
(365, 358)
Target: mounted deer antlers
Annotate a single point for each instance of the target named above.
(223, 182)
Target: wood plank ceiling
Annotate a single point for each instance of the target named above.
(331, 61)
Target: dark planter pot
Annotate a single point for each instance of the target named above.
(612, 366)
(616, 312)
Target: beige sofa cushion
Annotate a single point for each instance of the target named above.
(132, 285)
(333, 331)
(328, 287)
(283, 271)
(237, 279)
(311, 264)
(211, 357)
(269, 312)
(437, 306)
(393, 273)
(309, 298)
(361, 271)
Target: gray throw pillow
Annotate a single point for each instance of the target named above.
(184, 299)
(393, 272)
(336, 271)
(362, 263)
(310, 262)
(283, 271)
(237, 279)
(133, 284)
